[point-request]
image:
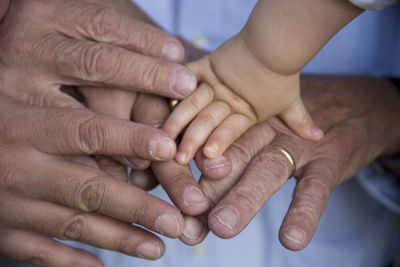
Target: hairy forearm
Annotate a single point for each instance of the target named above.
(285, 35)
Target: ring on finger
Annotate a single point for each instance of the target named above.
(287, 155)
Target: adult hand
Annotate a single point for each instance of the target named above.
(43, 194)
(46, 44)
(3, 7)
(361, 119)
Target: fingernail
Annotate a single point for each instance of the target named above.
(168, 225)
(162, 149)
(149, 250)
(172, 51)
(317, 133)
(136, 164)
(181, 157)
(193, 228)
(227, 216)
(295, 235)
(183, 82)
(193, 196)
(220, 162)
(211, 151)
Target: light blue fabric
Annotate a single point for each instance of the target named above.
(355, 230)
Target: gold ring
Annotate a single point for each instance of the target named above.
(287, 154)
(172, 103)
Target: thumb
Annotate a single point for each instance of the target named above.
(300, 121)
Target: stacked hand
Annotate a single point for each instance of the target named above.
(59, 159)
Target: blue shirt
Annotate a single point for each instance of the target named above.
(359, 227)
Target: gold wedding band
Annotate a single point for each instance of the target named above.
(173, 103)
(287, 154)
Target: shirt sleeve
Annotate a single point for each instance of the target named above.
(373, 4)
(384, 187)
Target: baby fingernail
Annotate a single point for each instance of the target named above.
(227, 216)
(183, 82)
(295, 235)
(168, 225)
(149, 250)
(162, 149)
(172, 51)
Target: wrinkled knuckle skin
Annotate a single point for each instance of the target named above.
(303, 213)
(98, 62)
(75, 228)
(91, 134)
(247, 198)
(317, 188)
(273, 164)
(105, 22)
(8, 179)
(150, 76)
(91, 195)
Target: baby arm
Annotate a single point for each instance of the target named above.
(255, 75)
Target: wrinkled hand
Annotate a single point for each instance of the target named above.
(46, 192)
(361, 119)
(46, 44)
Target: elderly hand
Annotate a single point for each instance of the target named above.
(45, 194)
(46, 44)
(361, 119)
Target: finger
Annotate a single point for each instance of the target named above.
(109, 101)
(238, 155)
(113, 168)
(300, 121)
(144, 180)
(82, 160)
(106, 25)
(177, 180)
(199, 129)
(26, 246)
(266, 173)
(89, 228)
(103, 101)
(91, 190)
(225, 134)
(150, 110)
(80, 62)
(184, 113)
(309, 201)
(195, 231)
(79, 131)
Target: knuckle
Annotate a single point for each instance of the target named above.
(8, 179)
(139, 214)
(273, 164)
(124, 245)
(304, 211)
(248, 198)
(207, 119)
(105, 22)
(75, 228)
(91, 134)
(316, 188)
(91, 196)
(150, 75)
(98, 62)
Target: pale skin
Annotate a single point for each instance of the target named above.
(255, 75)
